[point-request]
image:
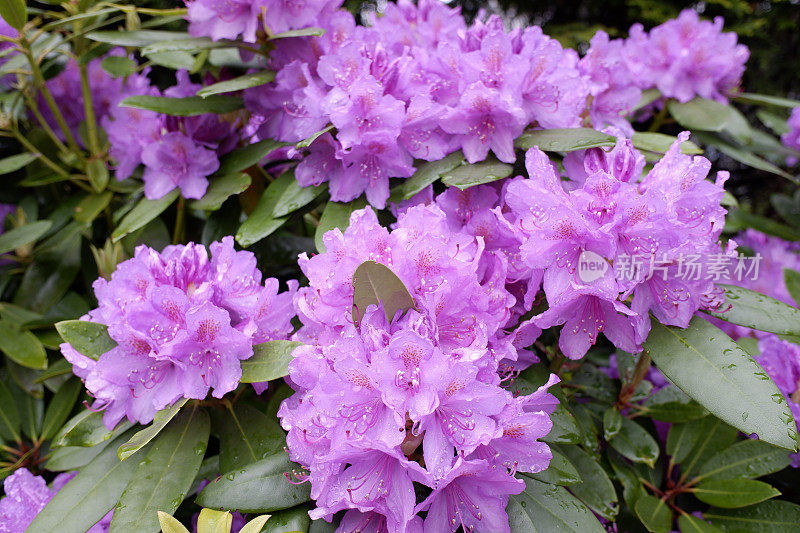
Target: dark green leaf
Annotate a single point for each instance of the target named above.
(247, 156)
(336, 215)
(188, 106)
(660, 143)
(565, 428)
(700, 114)
(15, 12)
(186, 44)
(292, 520)
(426, 174)
(691, 524)
(175, 60)
(141, 438)
(766, 99)
(707, 436)
(632, 487)
(97, 171)
(9, 415)
(376, 284)
(545, 508)
(86, 429)
(88, 338)
(135, 38)
(612, 423)
(15, 162)
(466, 176)
(774, 122)
(596, 490)
(73, 457)
(671, 404)
(716, 372)
(654, 514)
(743, 219)
(774, 516)
(13, 239)
(220, 189)
(164, 477)
(308, 141)
(733, 493)
(635, 443)
(254, 79)
(745, 459)
(559, 472)
(118, 66)
(22, 346)
(270, 361)
(788, 208)
(564, 139)
(92, 205)
(792, 280)
(261, 221)
(260, 487)
(293, 197)
(247, 435)
(145, 211)
(60, 406)
(743, 156)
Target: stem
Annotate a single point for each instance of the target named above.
(180, 221)
(34, 107)
(43, 158)
(639, 372)
(658, 121)
(88, 110)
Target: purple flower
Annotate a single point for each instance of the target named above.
(224, 19)
(176, 160)
(791, 138)
(182, 324)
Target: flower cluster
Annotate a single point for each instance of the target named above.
(378, 398)
(417, 83)
(182, 323)
(686, 57)
(176, 151)
(25, 497)
(579, 238)
(228, 19)
(792, 137)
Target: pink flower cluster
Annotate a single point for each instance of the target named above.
(182, 323)
(375, 398)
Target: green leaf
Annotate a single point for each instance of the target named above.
(176, 60)
(691, 524)
(466, 176)
(700, 114)
(774, 122)
(164, 477)
(118, 66)
(145, 211)
(766, 99)
(15, 162)
(17, 237)
(787, 207)
(743, 219)
(187, 106)
(612, 423)
(648, 97)
(88, 496)
(135, 38)
(60, 406)
(141, 438)
(564, 139)
(97, 171)
(716, 372)
(308, 141)
(774, 516)
(376, 284)
(256, 525)
(186, 44)
(169, 524)
(213, 521)
(336, 215)
(220, 189)
(14, 12)
(660, 143)
(246, 157)
(743, 156)
(733, 493)
(427, 173)
(86, 429)
(559, 472)
(92, 205)
(260, 487)
(73, 457)
(302, 32)
(247, 435)
(261, 221)
(745, 459)
(88, 338)
(270, 361)
(654, 514)
(758, 311)
(292, 520)
(596, 490)
(545, 508)
(293, 197)
(792, 280)
(632, 487)
(9, 415)
(22, 346)
(704, 438)
(671, 404)
(635, 443)
(241, 83)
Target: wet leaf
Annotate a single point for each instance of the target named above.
(376, 284)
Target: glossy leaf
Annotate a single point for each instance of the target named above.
(261, 222)
(744, 219)
(256, 525)
(774, 516)
(185, 43)
(14, 12)
(336, 215)
(135, 38)
(247, 156)
(92, 206)
(565, 139)
(169, 524)
(654, 514)
(757, 311)
(691, 524)
(288, 521)
(118, 66)
(427, 173)
(22, 346)
(86, 429)
(220, 189)
(247, 435)
(745, 459)
(187, 106)
(145, 211)
(700, 114)
(165, 475)
(293, 197)
(544, 508)
(733, 493)
(17, 237)
(559, 472)
(141, 438)
(88, 338)
(792, 280)
(73, 457)
(270, 361)
(246, 81)
(671, 404)
(302, 32)
(213, 521)
(15, 162)
(596, 490)
(766, 99)
(260, 487)
(612, 423)
(87, 497)
(60, 406)
(660, 143)
(743, 156)
(376, 284)
(9, 415)
(635, 443)
(716, 372)
(466, 176)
